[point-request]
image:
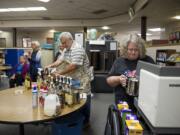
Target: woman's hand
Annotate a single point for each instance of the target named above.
(123, 80)
(114, 81)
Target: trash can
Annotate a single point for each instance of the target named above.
(69, 126)
(4, 82)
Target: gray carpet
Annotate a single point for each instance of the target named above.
(100, 103)
(99, 109)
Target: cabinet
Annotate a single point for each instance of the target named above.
(101, 54)
(162, 55)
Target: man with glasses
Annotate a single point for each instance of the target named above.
(74, 62)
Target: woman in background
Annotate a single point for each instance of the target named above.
(19, 72)
(133, 50)
(35, 60)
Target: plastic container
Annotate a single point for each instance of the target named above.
(70, 126)
(34, 97)
(51, 105)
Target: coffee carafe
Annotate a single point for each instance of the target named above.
(132, 86)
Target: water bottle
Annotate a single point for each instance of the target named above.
(34, 97)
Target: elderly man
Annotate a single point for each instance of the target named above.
(35, 60)
(77, 66)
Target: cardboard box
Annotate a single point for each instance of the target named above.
(122, 104)
(133, 127)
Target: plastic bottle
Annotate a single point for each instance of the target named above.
(34, 97)
(42, 95)
(27, 82)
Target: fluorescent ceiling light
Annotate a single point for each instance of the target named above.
(105, 27)
(177, 17)
(22, 9)
(17, 9)
(147, 34)
(4, 10)
(36, 8)
(44, 0)
(157, 29)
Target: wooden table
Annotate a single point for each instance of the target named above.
(17, 109)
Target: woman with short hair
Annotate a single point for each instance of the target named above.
(19, 72)
(35, 60)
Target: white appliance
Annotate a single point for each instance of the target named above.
(159, 95)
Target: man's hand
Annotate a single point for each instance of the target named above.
(56, 73)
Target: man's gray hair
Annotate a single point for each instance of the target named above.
(66, 35)
(36, 43)
(134, 38)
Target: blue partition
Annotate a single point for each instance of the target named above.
(12, 56)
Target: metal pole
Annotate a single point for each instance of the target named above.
(143, 27)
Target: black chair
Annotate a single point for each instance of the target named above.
(99, 84)
(113, 122)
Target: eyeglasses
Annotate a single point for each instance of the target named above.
(131, 50)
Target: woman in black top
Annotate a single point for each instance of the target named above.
(133, 50)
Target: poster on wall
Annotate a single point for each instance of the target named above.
(27, 42)
(48, 44)
(56, 42)
(79, 38)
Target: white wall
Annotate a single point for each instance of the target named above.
(8, 35)
(39, 34)
(34, 35)
(121, 30)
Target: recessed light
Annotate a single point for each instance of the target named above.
(177, 17)
(52, 30)
(44, 0)
(105, 27)
(157, 29)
